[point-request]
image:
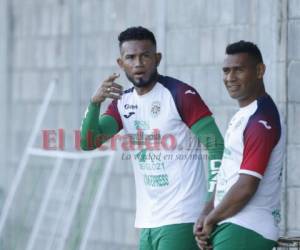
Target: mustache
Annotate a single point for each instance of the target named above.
(143, 82)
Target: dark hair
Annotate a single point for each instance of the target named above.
(245, 47)
(136, 33)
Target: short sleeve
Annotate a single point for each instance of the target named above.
(260, 138)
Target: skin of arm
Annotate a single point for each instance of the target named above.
(233, 202)
(209, 206)
(95, 128)
(198, 226)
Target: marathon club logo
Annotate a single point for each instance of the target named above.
(155, 109)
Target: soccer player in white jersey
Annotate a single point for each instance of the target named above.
(160, 116)
(245, 211)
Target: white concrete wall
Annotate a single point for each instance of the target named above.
(293, 97)
(192, 35)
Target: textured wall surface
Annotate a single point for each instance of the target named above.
(293, 111)
(76, 42)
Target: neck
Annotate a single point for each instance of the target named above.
(258, 93)
(144, 90)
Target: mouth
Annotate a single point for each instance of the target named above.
(139, 74)
(233, 88)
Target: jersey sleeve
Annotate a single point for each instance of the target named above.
(260, 138)
(209, 135)
(113, 111)
(96, 129)
(190, 105)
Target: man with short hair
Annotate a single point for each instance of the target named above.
(245, 211)
(163, 119)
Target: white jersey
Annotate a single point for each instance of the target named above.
(169, 176)
(254, 145)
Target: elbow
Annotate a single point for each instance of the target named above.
(85, 146)
(90, 142)
(86, 141)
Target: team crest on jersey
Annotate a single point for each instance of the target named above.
(155, 109)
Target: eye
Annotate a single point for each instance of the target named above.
(129, 57)
(146, 56)
(226, 71)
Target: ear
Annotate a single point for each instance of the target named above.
(260, 69)
(158, 57)
(120, 63)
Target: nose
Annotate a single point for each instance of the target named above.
(230, 76)
(138, 61)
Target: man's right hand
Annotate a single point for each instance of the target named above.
(108, 89)
(198, 227)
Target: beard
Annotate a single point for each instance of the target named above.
(143, 82)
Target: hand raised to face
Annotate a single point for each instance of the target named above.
(108, 89)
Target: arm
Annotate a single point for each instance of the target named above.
(234, 201)
(209, 206)
(96, 129)
(201, 240)
(209, 135)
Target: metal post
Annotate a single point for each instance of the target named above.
(68, 192)
(4, 50)
(85, 170)
(100, 191)
(25, 156)
(46, 199)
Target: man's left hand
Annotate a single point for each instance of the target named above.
(202, 237)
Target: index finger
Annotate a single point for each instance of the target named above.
(116, 85)
(201, 235)
(112, 77)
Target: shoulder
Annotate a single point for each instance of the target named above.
(265, 120)
(266, 112)
(188, 102)
(176, 86)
